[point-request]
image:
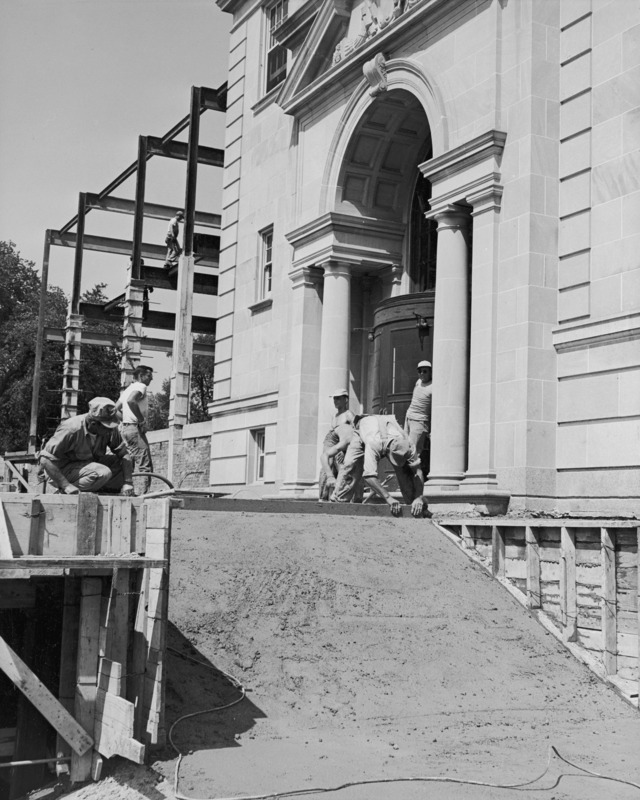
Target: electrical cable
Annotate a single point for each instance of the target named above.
(325, 789)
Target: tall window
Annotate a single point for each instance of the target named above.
(276, 54)
(256, 460)
(266, 264)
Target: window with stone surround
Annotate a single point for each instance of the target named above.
(255, 468)
(265, 277)
(276, 63)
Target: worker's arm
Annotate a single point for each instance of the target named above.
(54, 473)
(379, 489)
(328, 453)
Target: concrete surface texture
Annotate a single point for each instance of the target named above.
(370, 648)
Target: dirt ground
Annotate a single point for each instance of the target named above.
(370, 649)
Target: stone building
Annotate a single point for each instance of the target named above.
(457, 180)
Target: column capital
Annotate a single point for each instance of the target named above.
(305, 276)
(449, 216)
(332, 266)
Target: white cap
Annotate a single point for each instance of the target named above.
(424, 364)
(339, 393)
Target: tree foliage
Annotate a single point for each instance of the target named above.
(19, 303)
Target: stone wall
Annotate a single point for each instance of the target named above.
(193, 457)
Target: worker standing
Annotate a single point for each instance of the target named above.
(174, 251)
(134, 405)
(335, 443)
(417, 423)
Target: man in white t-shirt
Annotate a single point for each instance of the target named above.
(417, 423)
(134, 404)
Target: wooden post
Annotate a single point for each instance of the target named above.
(158, 544)
(534, 593)
(87, 670)
(77, 264)
(37, 368)
(69, 652)
(609, 608)
(638, 605)
(568, 587)
(497, 552)
(467, 536)
(118, 622)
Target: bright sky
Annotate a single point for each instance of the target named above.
(80, 80)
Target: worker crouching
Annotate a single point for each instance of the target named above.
(75, 458)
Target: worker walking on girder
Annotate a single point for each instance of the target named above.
(134, 405)
(174, 251)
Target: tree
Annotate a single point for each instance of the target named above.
(158, 414)
(19, 303)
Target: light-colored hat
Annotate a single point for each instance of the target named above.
(399, 451)
(339, 393)
(424, 364)
(104, 411)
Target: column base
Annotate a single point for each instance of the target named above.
(467, 499)
(297, 490)
(479, 481)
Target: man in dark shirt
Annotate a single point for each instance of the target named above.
(75, 458)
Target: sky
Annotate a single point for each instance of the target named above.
(80, 80)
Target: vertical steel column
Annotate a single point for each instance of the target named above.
(138, 218)
(77, 266)
(37, 368)
(192, 169)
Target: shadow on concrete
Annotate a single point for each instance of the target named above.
(195, 685)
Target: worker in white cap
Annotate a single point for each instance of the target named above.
(335, 443)
(375, 437)
(417, 423)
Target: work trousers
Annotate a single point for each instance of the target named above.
(139, 450)
(93, 476)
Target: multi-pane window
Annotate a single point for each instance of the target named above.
(257, 465)
(276, 53)
(266, 264)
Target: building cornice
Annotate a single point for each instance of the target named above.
(487, 145)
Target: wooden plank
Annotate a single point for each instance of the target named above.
(6, 551)
(111, 742)
(110, 677)
(81, 562)
(568, 593)
(35, 539)
(18, 476)
(69, 651)
(86, 524)
(638, 607)
(534, 597)
(609, 592)
(497, 552)
(87, 669)
(33, 688)
(118, 621)
(138, 662)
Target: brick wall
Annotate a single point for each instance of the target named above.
(193, 456)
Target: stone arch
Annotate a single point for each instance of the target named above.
(402, 74)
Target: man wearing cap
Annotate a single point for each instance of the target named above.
(76, 460)
(134, 404)
(417, 423)
(375, 437)
(174, 251)
(335, 443)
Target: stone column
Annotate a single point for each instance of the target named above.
(481, 468)
(334, 338)
(450, 351)
(298, 415)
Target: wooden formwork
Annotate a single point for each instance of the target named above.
(583, 574)
(102, 565)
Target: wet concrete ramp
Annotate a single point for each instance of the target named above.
(374, 648)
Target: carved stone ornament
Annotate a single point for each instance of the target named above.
(375, 71)
(371, 23)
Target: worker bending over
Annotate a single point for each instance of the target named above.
(376, 437)
(75, 458)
